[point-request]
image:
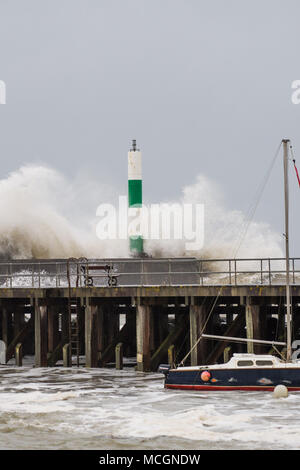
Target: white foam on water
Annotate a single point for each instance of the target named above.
(36, 402)
(201, 423)
(124, 406)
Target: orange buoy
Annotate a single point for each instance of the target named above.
(205, 376)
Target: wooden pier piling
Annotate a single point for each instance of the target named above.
(67, 359)
(41, 336)
(91, 337)
(19, 355)
(171, 355)
(119, 356)
(198, 317)
(6, 324)
(53, 327)
(157, 319)
(252, 326)
(143, 325)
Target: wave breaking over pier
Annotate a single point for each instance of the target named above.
(45, 215)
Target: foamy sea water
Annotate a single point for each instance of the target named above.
(81, 408)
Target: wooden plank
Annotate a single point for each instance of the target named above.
(122, 337)
(233, 330)
(20, 338)
(172, 337)
(55, 355)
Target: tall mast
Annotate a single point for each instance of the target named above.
(287, 251)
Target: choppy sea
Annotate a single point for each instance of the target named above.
(79, 408)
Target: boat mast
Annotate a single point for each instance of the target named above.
(287, 253)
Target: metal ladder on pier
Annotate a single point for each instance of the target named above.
(74, 330)
(73, 318)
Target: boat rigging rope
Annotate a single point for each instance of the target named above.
(203, 328)
(249, 214)
(294, 162)
(253, 206)
(278, 352)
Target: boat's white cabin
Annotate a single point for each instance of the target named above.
(253, 360)
(244, 360)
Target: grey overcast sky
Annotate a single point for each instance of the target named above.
(204, 87)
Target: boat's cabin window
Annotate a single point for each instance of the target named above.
(244, 363)
(264, 363)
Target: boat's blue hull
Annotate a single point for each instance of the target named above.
(234, 379)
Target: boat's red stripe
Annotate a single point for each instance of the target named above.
(215, 387)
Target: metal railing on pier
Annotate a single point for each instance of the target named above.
(146, 272)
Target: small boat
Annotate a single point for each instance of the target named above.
(244, 371)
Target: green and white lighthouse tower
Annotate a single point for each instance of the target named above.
(135, 199)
